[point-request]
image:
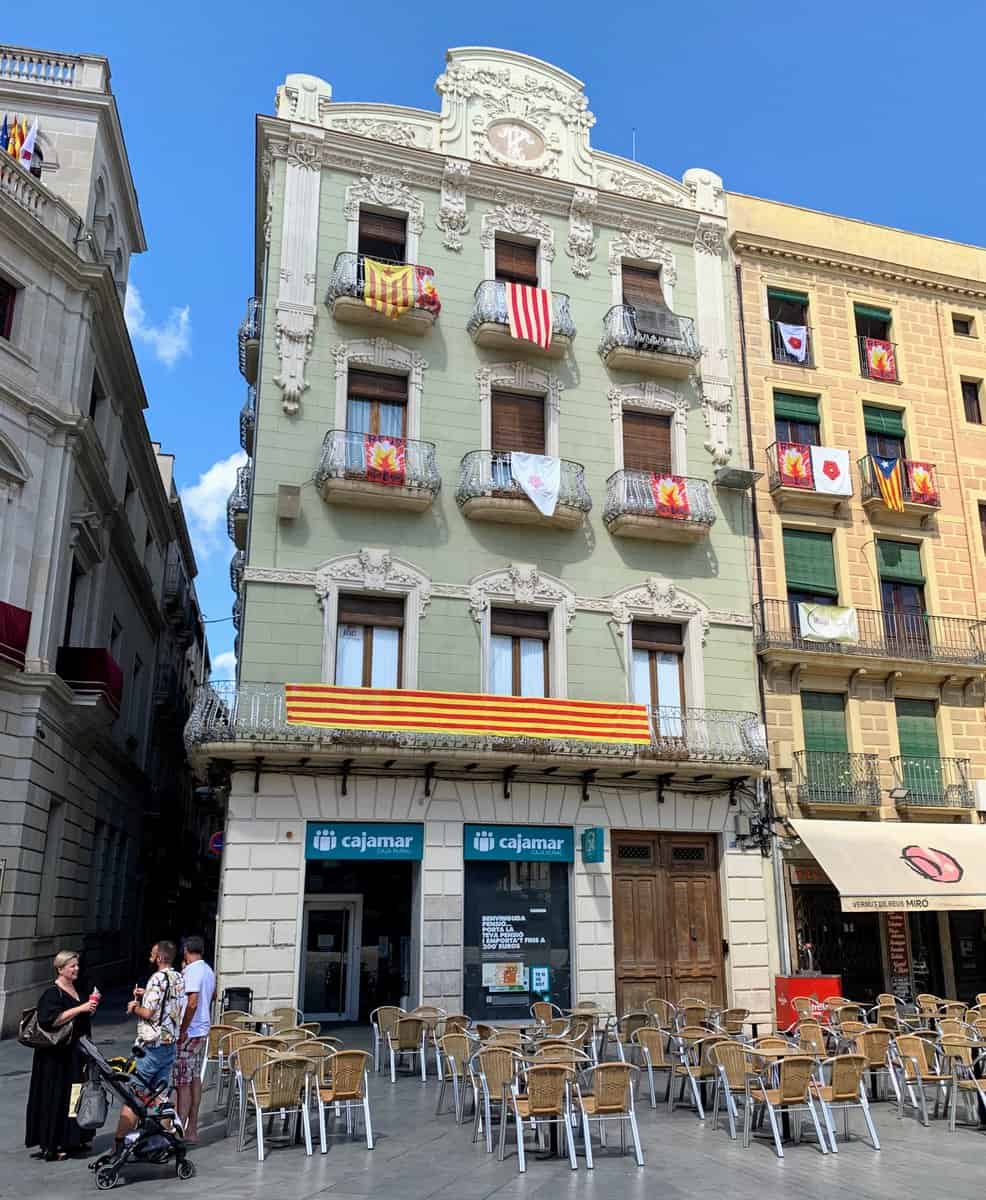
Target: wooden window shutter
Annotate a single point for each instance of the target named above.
(381, 235)
(646, 441)
(371, 610)
(369, 385)
(519, 622)
(516, 263)
(970, 400)
(809, 562)
(654, 635)
(823, 717)
(917, 730)
(642, 285)
(518, 422)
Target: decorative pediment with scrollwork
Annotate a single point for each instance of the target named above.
(523, 584)
(658, 598)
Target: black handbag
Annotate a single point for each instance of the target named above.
(32, 1034)
(93, 1107)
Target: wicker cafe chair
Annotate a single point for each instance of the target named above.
(965, 1059)
(229, 1048)
(455, 1023)
(918, 1068)
(847, 1031)
(844, 1090)
(312, 1027)
(406, 1040)
(927, 1006)
(278, 1087)
(382, 1021)
(294, 1034)
(346, 1091)
(663, 1013)
(811, 1038)
(771, 1041)
(457, 1049)
(693, 1012)
(432, 1016)
(282, 1018)
(734, 1067)
(733, 1020)
(544, 1011)
(511, 1038)
(626, 1027)
(791, 1094)
(875, 1044)
(214, 1054)
(235, 1016)
(652, 1044)
(608, 1097)
(494, 1069)
(692, 1045)
(844, 1013)
(548, 1102)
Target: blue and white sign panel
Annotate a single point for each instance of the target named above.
(364, 841)
(518, 843)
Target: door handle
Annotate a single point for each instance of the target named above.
(725, 948)
(692, 934)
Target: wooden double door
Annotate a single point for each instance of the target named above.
(667, 918)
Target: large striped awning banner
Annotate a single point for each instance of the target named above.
(470, 713)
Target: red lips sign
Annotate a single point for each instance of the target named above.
(936, 865)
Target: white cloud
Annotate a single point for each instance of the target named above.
(205, 504)
(224, 666)
(170, 340)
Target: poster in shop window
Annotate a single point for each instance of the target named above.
(505, 977)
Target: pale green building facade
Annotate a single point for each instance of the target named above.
(625, 593)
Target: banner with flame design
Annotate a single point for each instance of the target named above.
(384, 459)
(386, 710)
(881, 362)
(794, 465)
(670, 496)
(921, 484)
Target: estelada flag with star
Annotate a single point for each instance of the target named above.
(888, 478)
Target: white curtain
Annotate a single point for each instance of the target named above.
(669, 693)
(501, 665)
(386, 648)
(349, 656)
(641, 678)
(392, 420)
(532, 652)
(358, 414)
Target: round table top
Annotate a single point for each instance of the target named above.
(780, 1052)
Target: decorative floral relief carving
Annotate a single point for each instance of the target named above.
(581, 247)
(657, 597)
(400, 133)
(710, 238)
(453, 219)
(642, 188)
(389, 191)
(294, 331)
(378, 352)
(305, 152)
(518, 218)
(376, 570)
(522, 377)
(650, 397)
(717, 408)
(521, 583)
(644, 244)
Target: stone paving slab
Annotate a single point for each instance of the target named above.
(419, 1157)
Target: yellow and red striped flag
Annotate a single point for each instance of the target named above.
(387, 710)
(388, 287)
(529, 313)
(888, 478)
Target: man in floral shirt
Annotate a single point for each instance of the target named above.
(158, 1009)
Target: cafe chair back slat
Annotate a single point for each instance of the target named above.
(511, 1038)
(964, 1059)
(918, 1068)
(495, 1069)
(406, 1041)
(733, 1020)
(319, 1055)
(456, 1049)
(312, 1027)
(454, 1023)
(382, 1021)
(789, 1092)
(771, 1041)
(277, 1087)
(663, 1012)
(734, 1070)
(230, 1047)
(345, 1093)
(282, 1017)
(547, 1102)
(811, 1038)
(652, 1044)
(214, 1054)
(485, 1032)
(842, 1087)
(543, 1011)
(875, 1044)
(692, 1045)
(608, 1097)
(293, 1034)
(627, 1025)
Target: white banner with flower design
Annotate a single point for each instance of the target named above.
(830, 470)
(539, 476)
(827, 622)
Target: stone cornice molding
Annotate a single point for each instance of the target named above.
(849, 264)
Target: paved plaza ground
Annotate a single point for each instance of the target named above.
(418, 1157)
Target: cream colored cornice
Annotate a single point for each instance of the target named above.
(851, 264)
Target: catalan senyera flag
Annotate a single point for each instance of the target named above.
(388, 287)
(888, 478)
(529, 313)
(386, 710)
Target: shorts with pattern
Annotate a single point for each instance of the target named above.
(188, 1060)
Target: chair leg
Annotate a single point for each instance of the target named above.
(830, 1125)
(519, 1129)
(323, 1140)
(587, 1140)
(502, 1145)
(368, 1124)
(715, 1103)
(731, 1112)
(306, 1125)
(424, 1066)
(776, 1130)
(650, 1084)
(488, 1122)
(747, 1121)
(260, 1134)
(441, 1097)
(456, 1093)
(638, 1154)
(818, 1128)
(865, 1106)
(376, 1049)
(393, 1064)
(698, 1096)
(923, 1102)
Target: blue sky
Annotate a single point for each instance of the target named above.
(867, 112)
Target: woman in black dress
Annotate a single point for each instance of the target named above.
(56, 1069)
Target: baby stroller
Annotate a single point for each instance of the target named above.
(157, 1138)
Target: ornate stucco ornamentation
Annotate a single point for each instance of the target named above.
(376, 570)
(399, 133)
(648, 397)
(581, 245)
(522, 377)
(644, 244)
(659, 598)
(294, 331)
(710, 238)
(303, 98)
(453, 219)
(389, 191)
(717, 408)
(642, 187)
(521, 583)
(518, 218)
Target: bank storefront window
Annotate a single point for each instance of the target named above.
(516, 935)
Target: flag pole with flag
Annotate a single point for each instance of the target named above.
(4, 134)
(888, 478)
(27, 149)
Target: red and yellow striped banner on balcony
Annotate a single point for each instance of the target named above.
(399, 711)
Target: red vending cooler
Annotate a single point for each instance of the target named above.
(817, 987)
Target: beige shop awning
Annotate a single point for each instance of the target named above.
(891, 866)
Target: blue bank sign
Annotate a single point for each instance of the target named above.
(518, 843)
(364, 840)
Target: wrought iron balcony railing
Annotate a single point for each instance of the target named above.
(236, 566)
(15, 625)
(237, 614)
(787, 468)
(487, 473)
(640, 494)
(238, 503)
(248, 340)
(620, 329)
(879, 362)
(781, 353)
(490, 308)
(827, 777)
(344, 456)
(918, 482)
(227, 712)
(933, 782)
(248, 420)
(904, 635)
(348, 278)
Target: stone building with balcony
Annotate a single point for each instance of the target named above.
(101, 640)
(486, 746)
(865, 366)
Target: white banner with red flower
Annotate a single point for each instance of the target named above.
(670, 494)
(539, 476)
(830, 469)
(795, 339)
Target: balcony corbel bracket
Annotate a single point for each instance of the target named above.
(890, 685)
(662, 783)
(429, 777)
(508, 778)
(795, 680)
(345, 767)
(855, 679)
(587, 778)
(946, 683)
(969, 687)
